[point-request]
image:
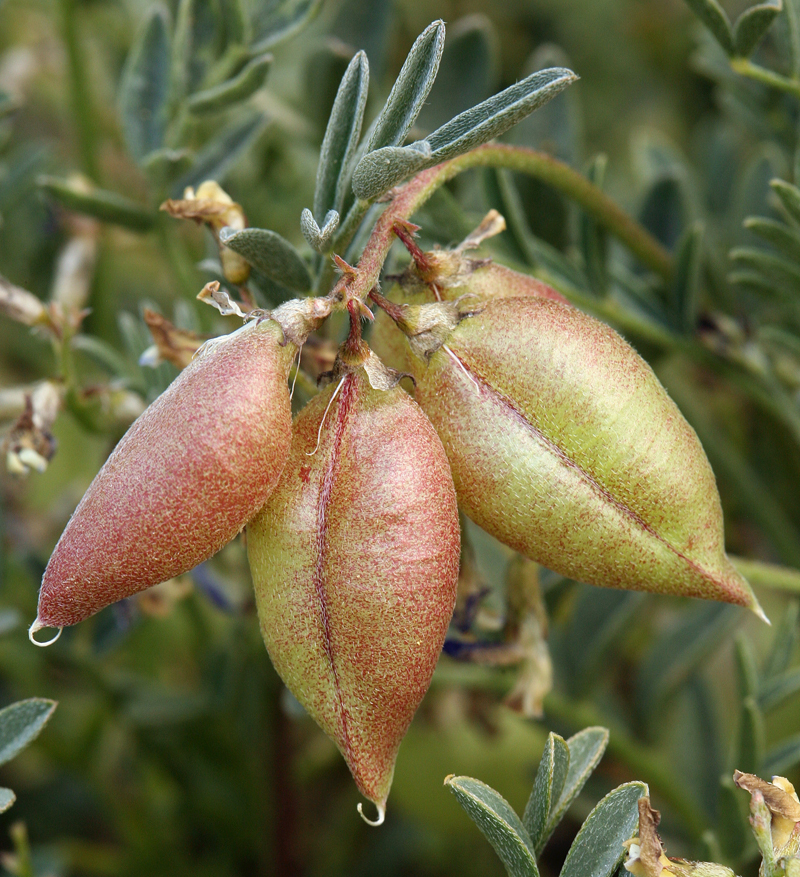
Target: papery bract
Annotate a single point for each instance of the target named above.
(182, 482)
(565, 446)
(355, 562)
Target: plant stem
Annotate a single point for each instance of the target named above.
(79, 91)
(768, 575)
(746, 67)
(536, 164)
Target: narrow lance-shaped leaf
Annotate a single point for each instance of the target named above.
(144, 89)
(219, 154)
(280, 19)
(714, 18)
(746, 667)
(593, 237)
(782, 236)
(497, 820)
(412, 86)
(598, 849)
(378, 171)
(233, 91)
(784, 273)
(786, 634)
(271, 254)
(193, 46)
(751, 737)
(783, 757)
(341, 137)
(547, 788)
(752, 24)
(100, 203)
(586, 748)
(686, 283)
(21, 723)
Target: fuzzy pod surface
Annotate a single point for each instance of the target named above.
(355, 562)
(565, 446)
(198, 463)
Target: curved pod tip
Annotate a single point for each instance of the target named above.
(756, 608)
(36, 627)
(373, 822)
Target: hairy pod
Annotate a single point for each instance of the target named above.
(182, 482)
(450, 274)
(565, 446)
(355, 561)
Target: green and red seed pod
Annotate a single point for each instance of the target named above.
(187, 476)
(565, 446)
(355, 563)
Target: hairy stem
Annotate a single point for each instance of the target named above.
(536, 164)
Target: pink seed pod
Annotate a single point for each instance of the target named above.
(355, 562)
(565, 446)
(182, 482)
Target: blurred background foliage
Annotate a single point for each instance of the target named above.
(174, 749)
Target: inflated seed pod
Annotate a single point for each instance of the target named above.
(355, 561)
(450, 274)
(182, 482)
(565, 446)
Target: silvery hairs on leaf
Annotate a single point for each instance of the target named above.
(341, 137)
(378, 171)
(271, 254)
(318, 238)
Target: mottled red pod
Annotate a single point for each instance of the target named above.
(186, 477)
(565, 446)
(355, 562)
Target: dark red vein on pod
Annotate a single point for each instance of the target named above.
(343, 407)
(500, 398)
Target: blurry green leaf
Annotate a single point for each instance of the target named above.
(598, 618)
(686, 282)
(233, 91)
(775, 690)
(679, 652)
(272, 254)
(731, 820)
(322, 79)
(317, 237)
(378, 171)
(99, 203)
(547, 789)
(103, 353)
(752, 24)
(233, 16)
(195, 45)
(598, 849)
(781, 236)
(782, 758)
(789, 196)
(746, 667)
(750, 746)
(499, 823)
(164, 165)
(593, 237)
(21, 168)
(784, 640)
(410, 90)
(277, 20)
(793, 26)
(664, 210)
(467, 72)
(341, 137)
(219, 154)
(557, 127)
(7, 798)
(21, 723)
(145, 84)
(714, 18)
(784, 274)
